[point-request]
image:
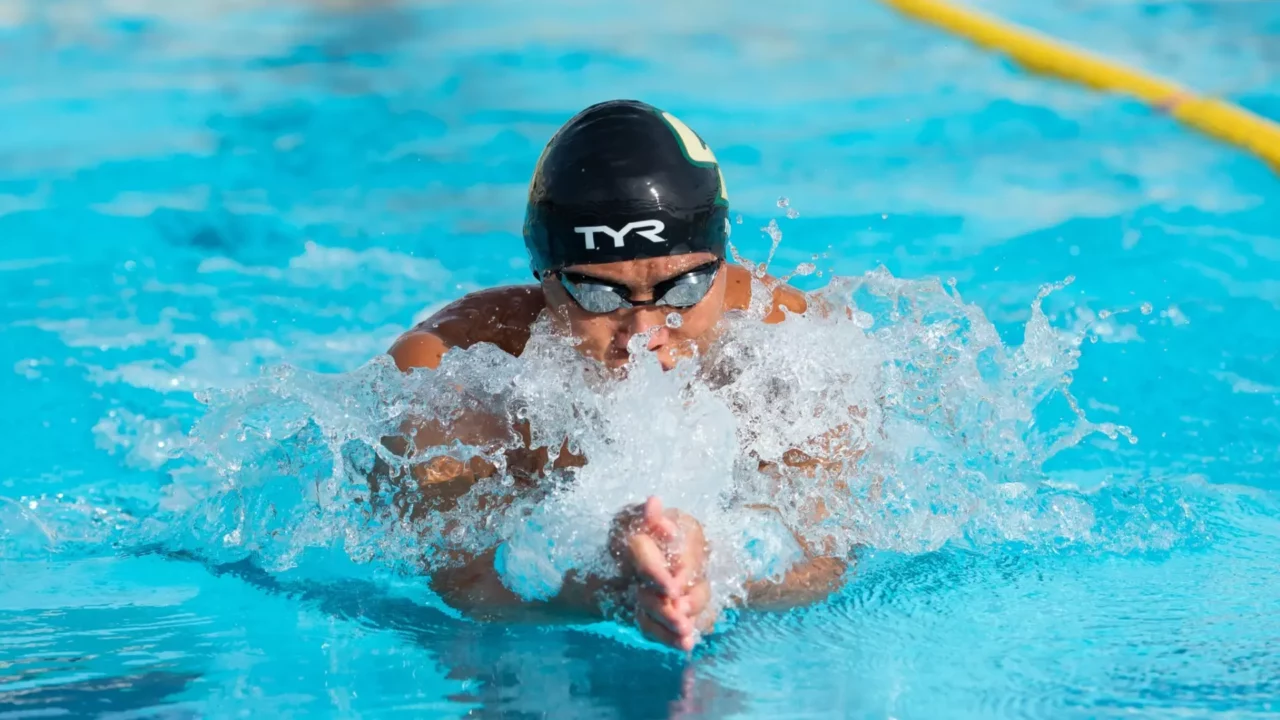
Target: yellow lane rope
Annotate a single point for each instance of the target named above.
(1218, 118)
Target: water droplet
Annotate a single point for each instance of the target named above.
(1146, 308)
(792, 213)
(805, 269)
(675, 320)
(33, 504)
(783, 202)
(774, 232)
(638, 342)
(1104, 314)
(739, 220)
(884, 217)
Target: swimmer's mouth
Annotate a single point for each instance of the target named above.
(619, 360)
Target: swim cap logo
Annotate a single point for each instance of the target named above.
(647, 229)
(695, 149)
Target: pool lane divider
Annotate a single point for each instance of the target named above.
(1038, 53)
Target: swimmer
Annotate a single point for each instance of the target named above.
(627, 223)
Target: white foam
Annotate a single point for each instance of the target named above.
(941, 429)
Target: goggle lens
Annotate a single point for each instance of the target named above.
(681, 292)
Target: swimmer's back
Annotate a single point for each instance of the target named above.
(504, 316)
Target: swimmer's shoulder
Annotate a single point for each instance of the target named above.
(786, 299)
(502, 316)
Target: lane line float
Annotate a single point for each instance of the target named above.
(1038, 53)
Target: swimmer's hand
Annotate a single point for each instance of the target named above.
(662, 553)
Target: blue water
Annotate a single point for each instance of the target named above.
(193, 192)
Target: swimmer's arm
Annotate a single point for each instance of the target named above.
(499, 316)
(477, 590)
(786, 299)
(419, 349)
(808, 582)
(820, 573)
(472, 584)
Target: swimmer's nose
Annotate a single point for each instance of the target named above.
(645, 320)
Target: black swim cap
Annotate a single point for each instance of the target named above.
(624, 180)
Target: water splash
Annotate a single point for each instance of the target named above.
(891, 416)
(785, 204)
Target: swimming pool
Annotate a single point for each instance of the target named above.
(191, 193)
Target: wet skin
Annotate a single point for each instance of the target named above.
(661, 552)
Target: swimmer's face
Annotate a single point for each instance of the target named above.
(605, 336)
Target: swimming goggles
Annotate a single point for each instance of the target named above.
(599, 297)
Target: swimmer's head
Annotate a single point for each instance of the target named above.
(627, 224)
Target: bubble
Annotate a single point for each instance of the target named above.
(1146, 308)
(675, 320)
(783, 202)
(458, 534)
(739, 219)
(1175, 316)
(792, 214)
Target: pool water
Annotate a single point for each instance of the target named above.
(194, 195)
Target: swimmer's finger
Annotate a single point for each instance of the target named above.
(652, 508)
(657, 522)
(654, 630)
(698, 596)
(658, 632)
(651, 563)
(670, 613)
(687, 567)
(665, 530)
